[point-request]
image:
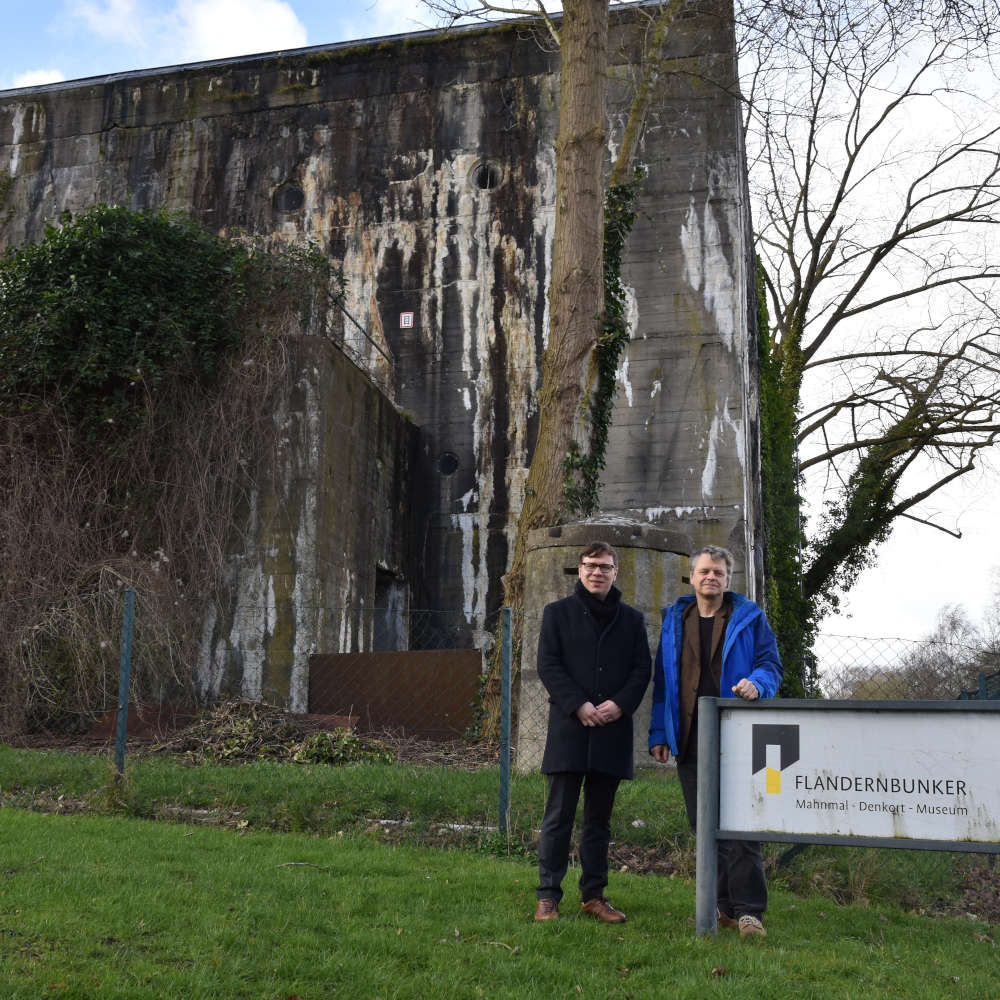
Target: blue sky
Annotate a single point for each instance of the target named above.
(50, 40)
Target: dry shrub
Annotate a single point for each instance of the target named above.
(77, 528)
(131, 430)
(239, 732)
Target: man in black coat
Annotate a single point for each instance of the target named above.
(593, 658)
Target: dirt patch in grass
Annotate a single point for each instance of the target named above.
(980, 891)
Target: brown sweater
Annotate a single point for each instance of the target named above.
(691, 666)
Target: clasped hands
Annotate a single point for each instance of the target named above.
(598, 715)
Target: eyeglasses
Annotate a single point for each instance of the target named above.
(597, 567)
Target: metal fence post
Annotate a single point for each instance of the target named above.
(124, 672)
(505, 669)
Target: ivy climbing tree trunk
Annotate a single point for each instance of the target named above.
(578, 325)
(587, 327)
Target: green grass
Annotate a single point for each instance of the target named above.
(421, 802)
(319, 798)
(115, 907)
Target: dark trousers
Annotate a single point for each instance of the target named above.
(557, 827)
(742, 887)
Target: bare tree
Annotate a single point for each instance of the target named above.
(874, 149)
(576, 291)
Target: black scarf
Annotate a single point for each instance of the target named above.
(603, 611)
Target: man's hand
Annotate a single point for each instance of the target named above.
(661, 753)
(609, 712)
(746, 689)
(589, 715)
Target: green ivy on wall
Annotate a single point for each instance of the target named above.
(581, 470)
(106, 306)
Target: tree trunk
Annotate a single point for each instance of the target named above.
(576, 291)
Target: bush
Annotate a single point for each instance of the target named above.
(105, 308)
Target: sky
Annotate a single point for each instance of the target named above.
(918, 571)
(45, 41)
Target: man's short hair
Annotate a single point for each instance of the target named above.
(599, 549)
(715, 553)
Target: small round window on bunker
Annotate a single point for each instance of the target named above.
(289, 198)
(487, 175)
(448, 463)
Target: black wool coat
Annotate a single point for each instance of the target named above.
(577, 664)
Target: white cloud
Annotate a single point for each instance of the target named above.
(383, 17)
(192, 30)
(35, 78)
(215, 29)
(115, 20)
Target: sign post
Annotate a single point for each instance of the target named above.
(897, 774)
(707, 820)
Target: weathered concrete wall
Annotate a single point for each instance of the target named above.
(375, 152)
(683, 446)
(332, 511)
(426, 166)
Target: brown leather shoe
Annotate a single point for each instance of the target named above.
(729, 922)
(548, 909)
(603, 910)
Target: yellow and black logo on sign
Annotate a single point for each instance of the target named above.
(786, 739)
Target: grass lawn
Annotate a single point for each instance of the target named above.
(118, 907)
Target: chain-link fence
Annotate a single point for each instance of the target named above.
(427, 673)
(851, 667)
(416, 672)
(847, 667)
(61, 658)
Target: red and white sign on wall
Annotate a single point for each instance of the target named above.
(405, 321)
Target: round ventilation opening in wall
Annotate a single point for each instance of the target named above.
(448, 464)
(289, 198)
(487, 175)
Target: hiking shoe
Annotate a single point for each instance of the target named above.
(750, 926)
(730, 923)
(603, 910)
(548, 909)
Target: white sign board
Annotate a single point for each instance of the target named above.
(922, 775)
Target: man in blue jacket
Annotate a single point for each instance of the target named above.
(714, 643)
(593, 658)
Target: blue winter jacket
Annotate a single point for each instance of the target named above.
(748, 650)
